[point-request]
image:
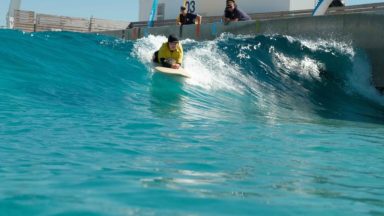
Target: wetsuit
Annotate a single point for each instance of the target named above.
(163, 55)
(188, 19)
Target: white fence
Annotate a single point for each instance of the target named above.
(30, 22)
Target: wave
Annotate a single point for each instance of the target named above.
(281, 74)
(272, 77)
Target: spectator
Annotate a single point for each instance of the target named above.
(233, 13)
(186, 18)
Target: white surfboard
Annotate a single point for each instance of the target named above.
(321, 7)
(177, 72)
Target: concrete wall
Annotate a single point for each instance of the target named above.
(365, 30)
(145, 7)
(261, 6)
(216, 7)
(302, 4)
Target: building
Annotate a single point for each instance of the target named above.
(169, 9)
(29, 21)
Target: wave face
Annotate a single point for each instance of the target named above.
(267, 125)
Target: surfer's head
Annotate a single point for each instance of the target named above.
(172, 42)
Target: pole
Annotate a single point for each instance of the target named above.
(153, 13)
(13, 5)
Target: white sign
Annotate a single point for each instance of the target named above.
(191, 6)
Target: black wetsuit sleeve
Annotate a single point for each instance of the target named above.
(182, 19)
(162, 61)
(193, 16)
(156, 57)
(166, 62)
(227, 14)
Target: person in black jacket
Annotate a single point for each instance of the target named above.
(232, 13)
(186, 18)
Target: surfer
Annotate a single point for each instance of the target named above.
(170, 54)
(233, 14)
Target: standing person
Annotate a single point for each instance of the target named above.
(232, 13)
(186, 18)
(170, 54)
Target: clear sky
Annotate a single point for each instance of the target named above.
(126, 10)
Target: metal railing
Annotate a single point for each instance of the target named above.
(29, 21)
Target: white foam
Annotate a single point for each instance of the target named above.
(329, 45)
(360, 79)
(305, 67)
(144, 48)
(209, 68)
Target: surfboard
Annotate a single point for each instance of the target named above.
(176, 72)
(321, 7)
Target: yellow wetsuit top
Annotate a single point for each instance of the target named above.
(165, 52)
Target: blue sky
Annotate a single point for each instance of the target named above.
(105, 9)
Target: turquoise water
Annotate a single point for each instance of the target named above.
(267, 125)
